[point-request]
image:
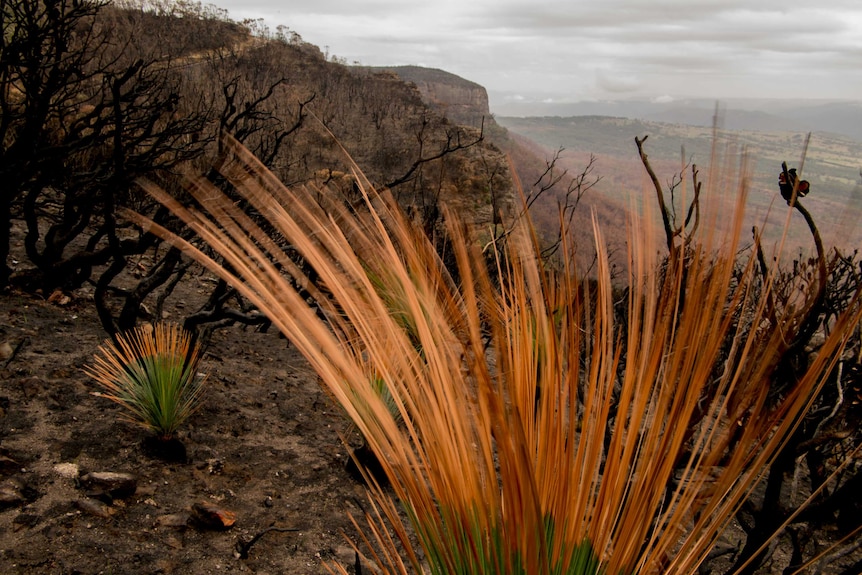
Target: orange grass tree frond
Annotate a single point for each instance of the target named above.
(526, 428)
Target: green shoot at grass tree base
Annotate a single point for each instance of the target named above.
(536, 430)
(153, 373)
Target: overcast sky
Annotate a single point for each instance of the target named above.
(570, 50)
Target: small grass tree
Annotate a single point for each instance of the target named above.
(152, 372)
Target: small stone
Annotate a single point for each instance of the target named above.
(117, 485)
(10, 494)
(212, 516)
(268, 501)
(6, 350)
(93, 507)
(59, 298)
(67, 470)
(174, 520)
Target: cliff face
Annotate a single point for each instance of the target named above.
(462, 101)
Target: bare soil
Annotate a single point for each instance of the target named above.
(266, 446)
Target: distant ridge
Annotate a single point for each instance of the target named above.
(730, 120)
(839, 117)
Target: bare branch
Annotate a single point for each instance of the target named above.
(665, 216)
(453, 144)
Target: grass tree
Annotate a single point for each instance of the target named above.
(532, 432)
(152, 372)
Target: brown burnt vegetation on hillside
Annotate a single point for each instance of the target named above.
(98, 94)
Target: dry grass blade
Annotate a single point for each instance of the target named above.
(532, 432)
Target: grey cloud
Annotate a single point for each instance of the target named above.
(597, 46)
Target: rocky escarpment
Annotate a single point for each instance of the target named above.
(462, 101)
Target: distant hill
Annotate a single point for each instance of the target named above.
(839, 117)
(843, 118)
(729, 119)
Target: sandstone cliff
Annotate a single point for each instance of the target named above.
(462, 101)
